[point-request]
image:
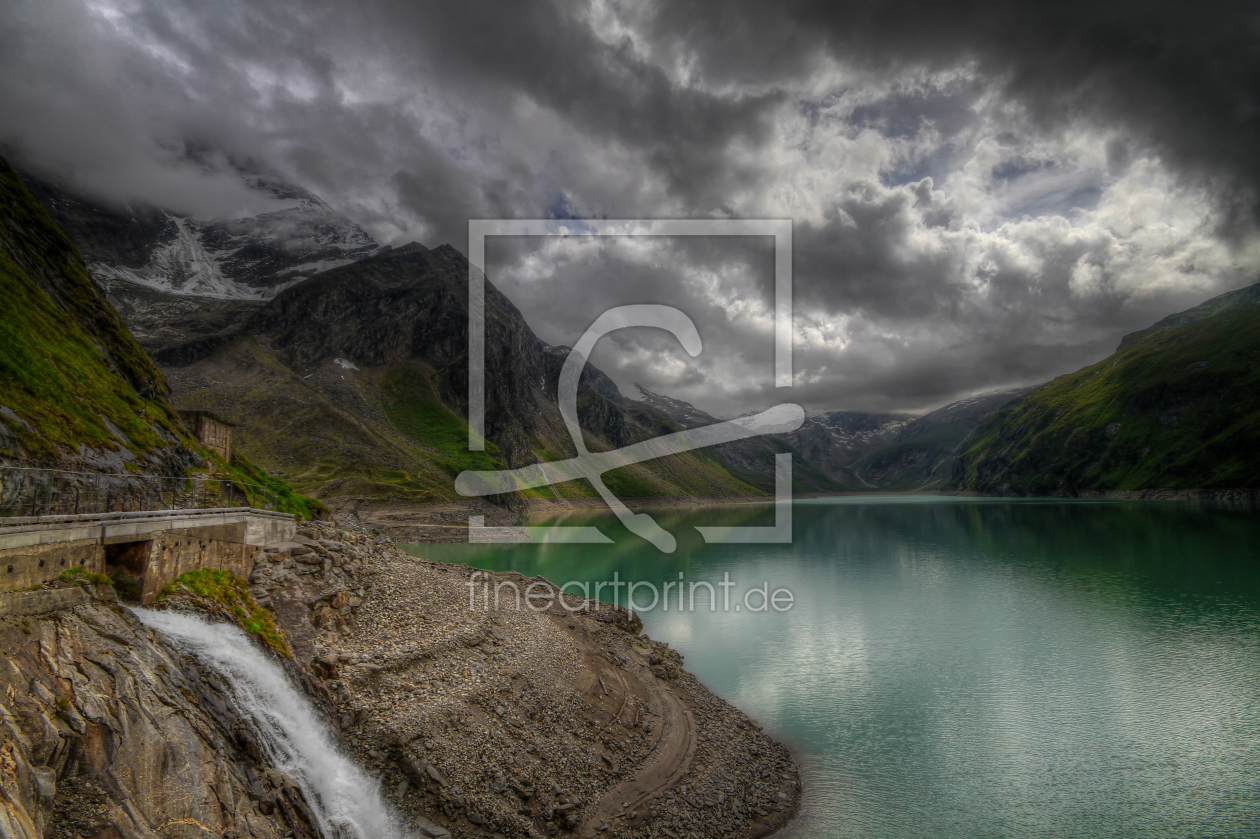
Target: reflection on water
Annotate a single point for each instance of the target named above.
(974, 667)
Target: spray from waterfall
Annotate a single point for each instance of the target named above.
(346, 800)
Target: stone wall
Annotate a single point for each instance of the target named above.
(28, 566)
(150, 549)
(176, 552)
(211, 432)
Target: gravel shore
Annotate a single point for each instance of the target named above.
(523, 718)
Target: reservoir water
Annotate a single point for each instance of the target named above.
(972, 667)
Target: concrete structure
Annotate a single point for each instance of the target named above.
(144, 552)
(212, 432)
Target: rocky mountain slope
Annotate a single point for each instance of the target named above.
(76, 389)
(814, 447)
(853, 451)
(556, 718)
(250, 258)
(1175, 408)
(173, 277)
(835, 442)
(922, 452)
(354, 385)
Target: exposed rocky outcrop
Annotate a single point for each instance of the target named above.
(133, 247)
(108, 731)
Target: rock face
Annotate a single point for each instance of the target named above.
(107, 731)
(242, 258)
(825, 447)
(837, 441)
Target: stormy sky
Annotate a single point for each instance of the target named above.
(983, 196)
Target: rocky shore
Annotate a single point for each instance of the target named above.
(530, 717)
(533, 717)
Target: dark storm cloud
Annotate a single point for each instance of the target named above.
(261, 81)
(1183, 77)
(954, 228)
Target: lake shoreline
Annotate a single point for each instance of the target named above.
(447, 521)
(1029, 647)
(508, 717)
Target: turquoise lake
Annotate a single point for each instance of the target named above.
(973, 667)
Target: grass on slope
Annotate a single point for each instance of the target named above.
(694, 473)
(1177, 408)
(68, 366)
(415, 409)
(231, 593)
(290, 427)
(275, 491)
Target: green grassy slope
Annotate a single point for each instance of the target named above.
(294, 429)
(412, 405)
(69, 368)
(1177, 407)
(78, 391)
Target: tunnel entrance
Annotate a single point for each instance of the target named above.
(126, 563)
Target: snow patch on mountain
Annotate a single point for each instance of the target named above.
(252, 258)
(181, 266)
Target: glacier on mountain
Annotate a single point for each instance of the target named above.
(252, 258)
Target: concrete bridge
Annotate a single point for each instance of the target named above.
(143, 551)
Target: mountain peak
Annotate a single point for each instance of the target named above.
(410, 247)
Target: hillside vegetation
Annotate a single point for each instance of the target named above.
(75, 385)
(1176, 407)
(77, 391)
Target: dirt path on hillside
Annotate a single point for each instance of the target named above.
(629, 800)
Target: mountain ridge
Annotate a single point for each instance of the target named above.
(378, 349)
(1174, 408)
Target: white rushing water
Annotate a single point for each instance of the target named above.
(345, 799)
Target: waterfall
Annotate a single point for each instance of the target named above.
(345, 799)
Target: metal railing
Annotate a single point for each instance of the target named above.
(46, 492)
